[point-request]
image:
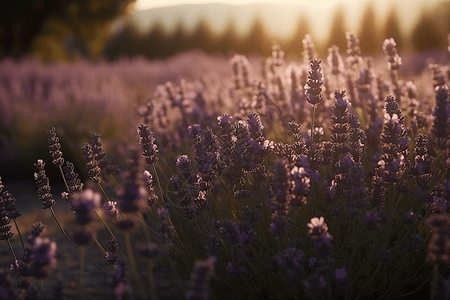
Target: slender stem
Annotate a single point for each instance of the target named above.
(41, 286)
(162, 199)
(159, 185)
(115, 180)
(82, 269)
(20, 235)
(146, 228)
(177, 275)
(311, 143)
(96, 240)
(311, 203)
(12, 251)
(434, 283)
(151, 280)
(73, 244)
(64, 178)
(103, 190)
(104, 223)
(132, 261)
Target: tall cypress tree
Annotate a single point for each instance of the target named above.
(425, 34)
(155, 42)
(230, 39)
(258, 40)
(203, 36)
(370, 42)
(178, 41)
(391, 28)
(338, 29)
(294, 45)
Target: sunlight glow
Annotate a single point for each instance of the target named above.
(147, 4)
(319, 12)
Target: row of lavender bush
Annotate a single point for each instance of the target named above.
(270, 187)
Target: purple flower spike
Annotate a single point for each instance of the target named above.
(83, 204)
(314, 83)
(147, 144)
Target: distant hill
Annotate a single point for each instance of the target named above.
(280, 19)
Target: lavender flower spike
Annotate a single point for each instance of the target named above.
(113, 251)
(317, 227)
(44, 257)
(83, 204)
(91, 164)
(200, 279)
(147, 144)
(53, 148)
(43, 185)
(313, 85)
(389, 48)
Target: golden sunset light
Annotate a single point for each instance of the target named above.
(216, 150)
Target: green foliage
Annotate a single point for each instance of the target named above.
(154, 44)
(338, 29)
(230, 40)
(203, 37)
(258, 39)
(179, 40)
(22, 21)
(425, 34)
(294, 45)
(126, 42)
(391, 28)
(368, 34)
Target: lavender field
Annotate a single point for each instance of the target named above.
(206, 177)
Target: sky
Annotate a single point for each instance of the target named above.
(147, 4)
(319, 12)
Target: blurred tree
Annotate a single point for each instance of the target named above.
(441, 16)
(425, 34)
(370, 42)
(203, 36)
(294, 46)
(258, 40)
(178, 40)
(154, 44)
(127, 41)
(337, 31)
(392, 28)
(230, 40)
(22, 20)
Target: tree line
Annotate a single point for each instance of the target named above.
(429, 32)
(65, 30)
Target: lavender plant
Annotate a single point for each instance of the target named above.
(242, 190)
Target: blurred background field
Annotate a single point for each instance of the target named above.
(103, 58)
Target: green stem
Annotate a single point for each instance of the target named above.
(73, 244)
(20, 235)
(96, 240)
(132, 262)
(434, 283)
(103, 190)
(82, 269)
(177, 275)
(311, 203)
(12, 251)
(104, 223)
(162, 199)
(41, 286)
(151, 280)
(64, 178)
